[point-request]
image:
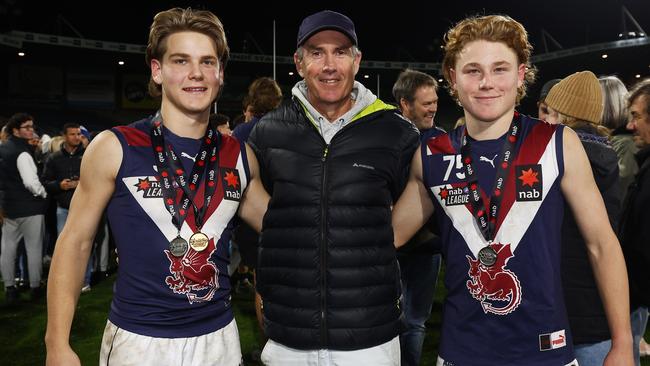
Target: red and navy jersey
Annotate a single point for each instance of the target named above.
(511, 313)
(157, 294)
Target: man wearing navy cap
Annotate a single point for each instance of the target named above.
(334, 158)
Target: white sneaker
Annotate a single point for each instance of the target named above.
(85, 289)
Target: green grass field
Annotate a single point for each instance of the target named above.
(22, 328)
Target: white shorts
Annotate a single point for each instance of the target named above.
(441, 362)
(123, 348)
(387, 354)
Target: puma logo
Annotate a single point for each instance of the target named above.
(491, 161)
(186, 155)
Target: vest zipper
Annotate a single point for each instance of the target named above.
(323, 251)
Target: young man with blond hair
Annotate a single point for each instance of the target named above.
(171, 186)
(501, 219)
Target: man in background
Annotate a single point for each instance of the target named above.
(24, 206)
(416, 94)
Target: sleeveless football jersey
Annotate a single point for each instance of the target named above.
(157, 294)
(511, 313)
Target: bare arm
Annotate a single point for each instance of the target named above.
(98, 171)
(603, 248)
(414, 207)
(256, 199)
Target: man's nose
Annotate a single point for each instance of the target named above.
(631, 126)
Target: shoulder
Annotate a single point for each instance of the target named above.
(230, 143)
(134, 134)
(394, 119)
(103, 157)
(243, 131)
(286, 116)
(531, 124)
(288, 109)
(57, 155)
(105, 147)
(431, 132)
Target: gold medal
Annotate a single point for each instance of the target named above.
(199, 241)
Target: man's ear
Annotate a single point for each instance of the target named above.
(297, 62)
(403, 105)
(357, 62)
(521, 74)
(220, 76)
(156, 71)
(452, 78)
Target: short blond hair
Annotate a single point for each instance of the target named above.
(492, 28)
(177, 20)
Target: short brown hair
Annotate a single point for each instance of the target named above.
(177, 20)
(264, 95)
(16, 120)
(492, 28)
(639, 89)
(408, 82)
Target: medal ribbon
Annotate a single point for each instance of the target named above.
(487, 220)
(171, 171)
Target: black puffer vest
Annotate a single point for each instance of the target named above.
(18, 201)
(327, 270)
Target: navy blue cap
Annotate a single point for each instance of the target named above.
(324, 20)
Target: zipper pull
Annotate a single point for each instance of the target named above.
(325, 154)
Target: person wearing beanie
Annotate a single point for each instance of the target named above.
(542, 108)
(578, 100)
(578, 96)
(498, 186)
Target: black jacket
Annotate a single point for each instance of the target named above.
(584, 306)
(635, 233)
(18, 201)
(59, 166)
(327, 270)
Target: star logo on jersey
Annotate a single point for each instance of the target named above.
(529, 182)
(143, 184)
(150, 188)
(444, 193)
(231, 180)
(231, 184)
(528, 177)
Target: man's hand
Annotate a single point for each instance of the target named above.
(62, 357)
(619, 356)
(68, 184)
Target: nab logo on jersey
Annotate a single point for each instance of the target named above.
(150, 188)
(231, 184)
(454, 196)
(529, 182)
